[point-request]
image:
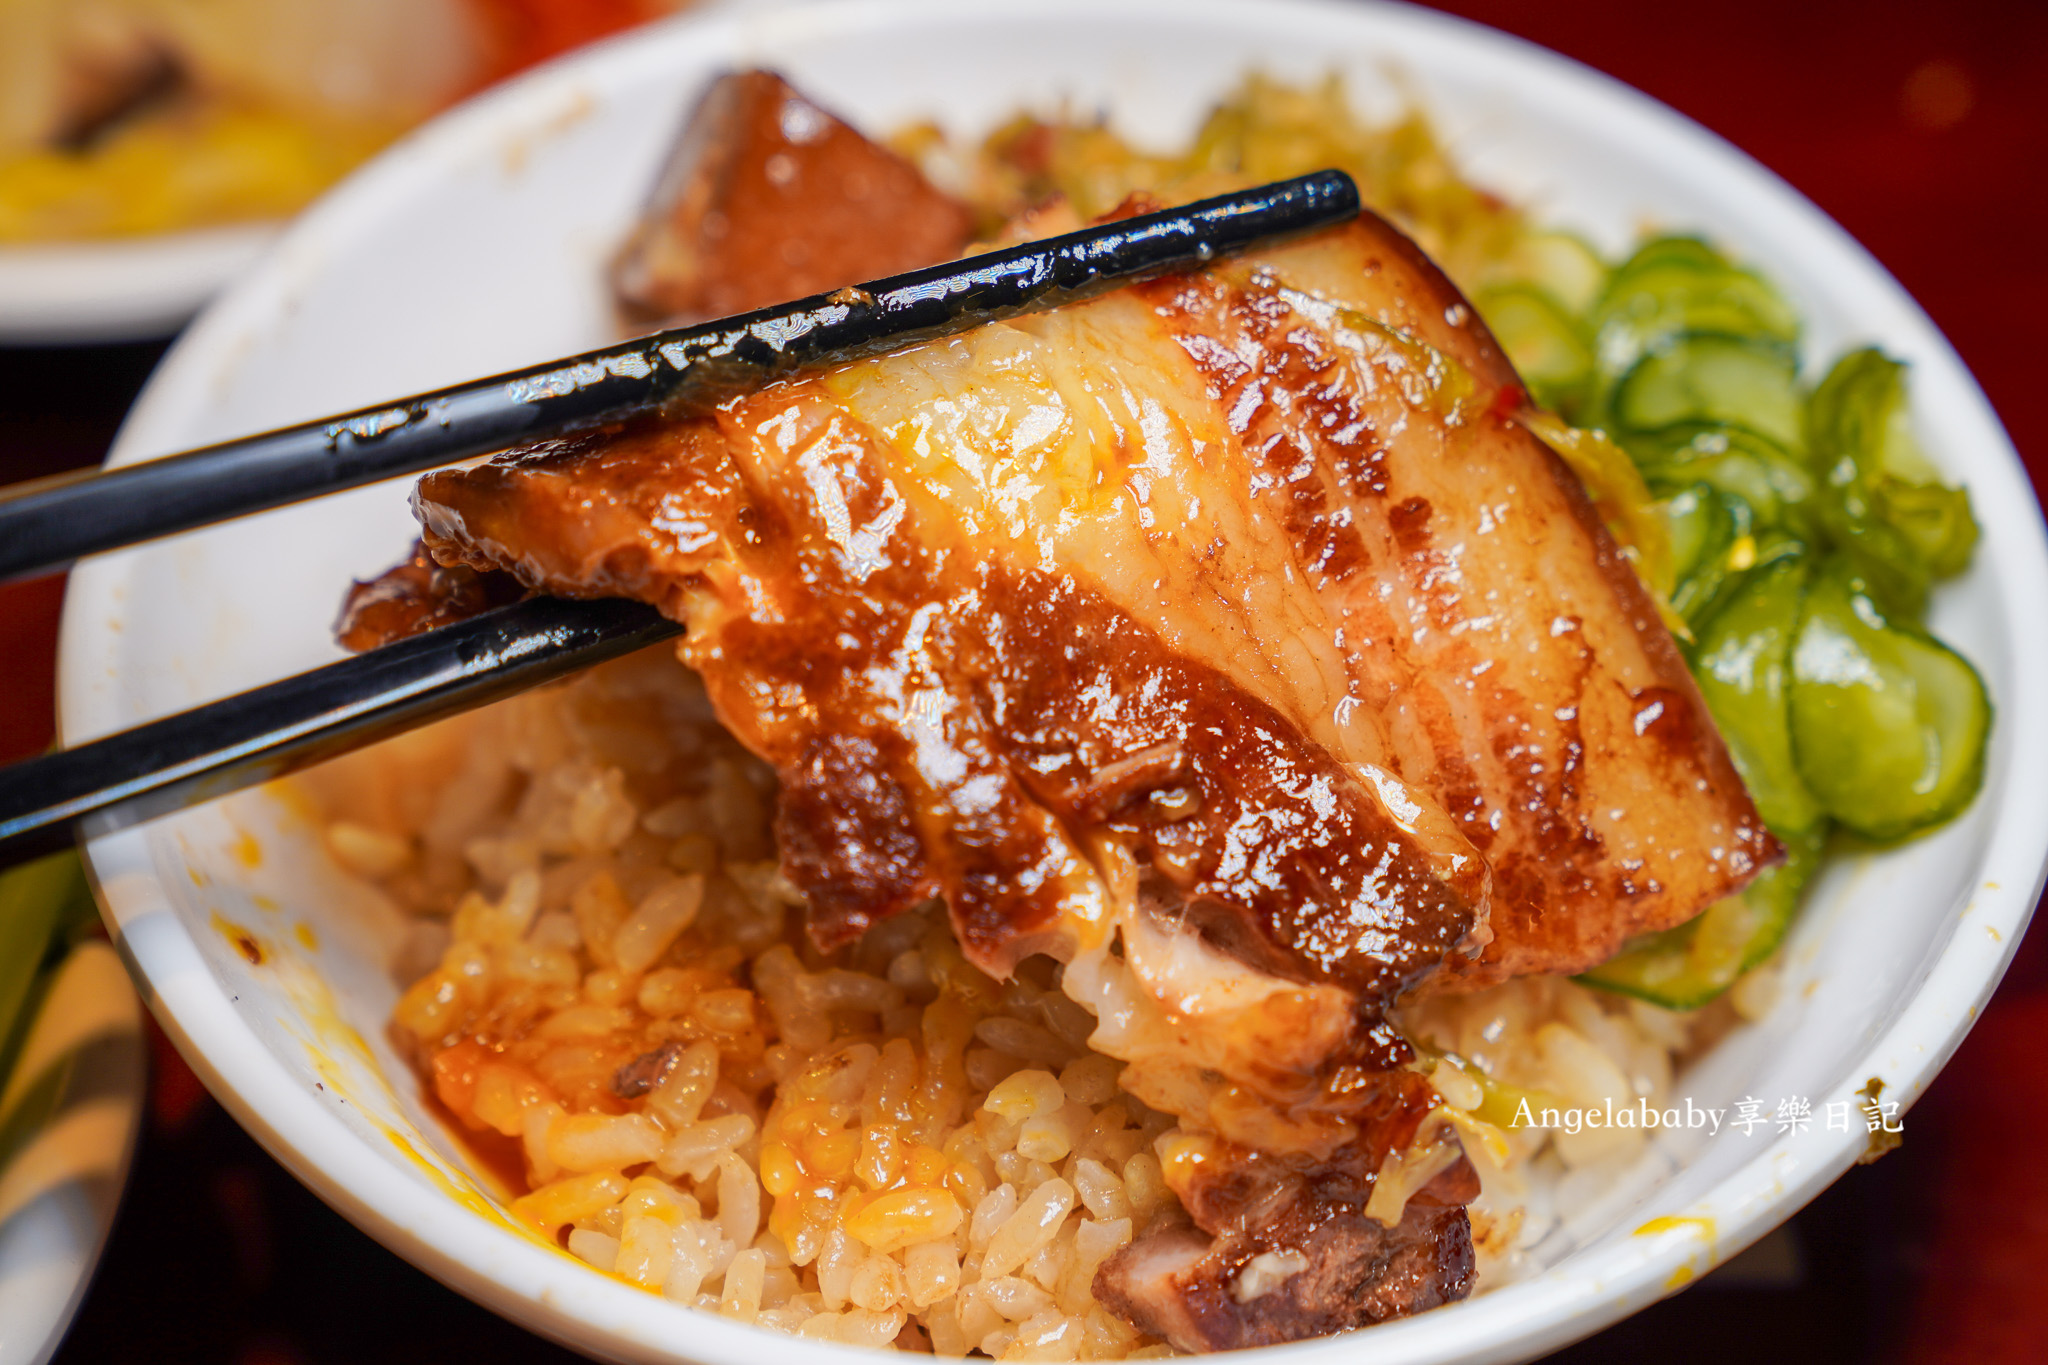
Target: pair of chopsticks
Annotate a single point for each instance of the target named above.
(216, 749)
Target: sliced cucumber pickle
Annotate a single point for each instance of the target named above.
(1882, 500)
(1776, 484)
(1675, 297)
(1743, 665)
(1934, 519)
(1805, 533)
(1562, 265)
(1543, 342)
(1888, 723)
(1700, 527)
(1686, 967)
(1882, 558)
(1713, 377)
(1858, 414)
(1674, 285)
(1660, 252)
(1712, 541)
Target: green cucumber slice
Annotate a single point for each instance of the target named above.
(1686, 967)
(1659, 252)
(1562, 265)
(1543, 342)
(1777, 486)
(1858, 413)
(1674, 285)
(1883, 502)
(1713, 377)
(1671, 298)
(1934, 519)
(1888, 724)
(1709, 532)
(1881, 557)
(1743, 665)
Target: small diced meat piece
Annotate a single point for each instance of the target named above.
(418, 596)
(1317, 1267)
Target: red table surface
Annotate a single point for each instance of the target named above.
(1924, 130)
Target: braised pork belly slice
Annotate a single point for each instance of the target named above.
(1227, 638)
(1299, 469)
(767, 197)
(947, 723)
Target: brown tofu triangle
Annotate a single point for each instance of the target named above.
(767, 197)
(1227, 638)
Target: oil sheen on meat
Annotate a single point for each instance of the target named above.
(1225, 637)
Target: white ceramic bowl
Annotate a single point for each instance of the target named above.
(476, 245)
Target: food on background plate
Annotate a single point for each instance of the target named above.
(127, 117)
(1155, 763)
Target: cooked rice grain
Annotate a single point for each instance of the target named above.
(884, 1147)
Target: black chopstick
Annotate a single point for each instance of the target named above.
(238, 742)
(48, 524)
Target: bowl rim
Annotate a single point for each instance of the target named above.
(565, 1300)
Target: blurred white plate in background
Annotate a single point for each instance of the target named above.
(124, 289)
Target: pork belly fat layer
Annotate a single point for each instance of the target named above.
(766, 197)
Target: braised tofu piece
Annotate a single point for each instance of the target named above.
(768, 198)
